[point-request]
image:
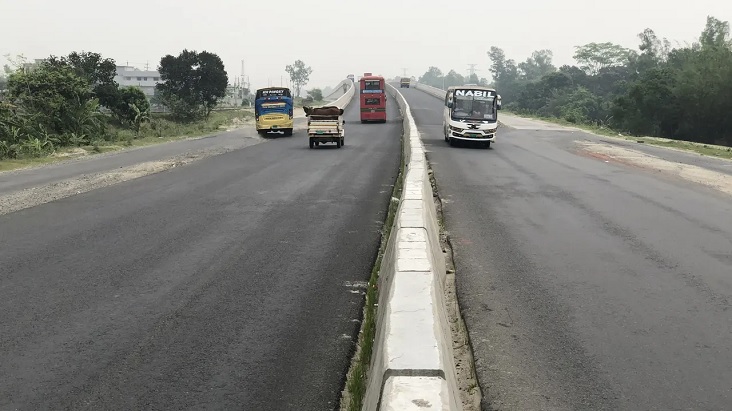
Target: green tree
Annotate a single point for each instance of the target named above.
(538, 65)
(133, 108)
(454, 78)
(57, 99)
(192, 83)
(505, 74)
(315, 94)
(299, 75)
(99, 72)
(16, 63)
(654, 51)
(432, 77)
(503, 70)
(715, 33)
(595, 56)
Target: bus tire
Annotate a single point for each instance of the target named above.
(487, 144)
(338, 143)
(444, 131)
(312, 143)
(452, 142)
(288, 132)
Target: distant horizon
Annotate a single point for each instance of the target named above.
(409, 35)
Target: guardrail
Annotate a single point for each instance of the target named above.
(413, 362)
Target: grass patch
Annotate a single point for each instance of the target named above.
(710, 150)
(16, 163)
(357, 377)
(160, 129)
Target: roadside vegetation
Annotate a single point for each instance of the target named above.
(71, 104)
(676, 93)
(354, 392)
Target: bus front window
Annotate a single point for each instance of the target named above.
(476, 109)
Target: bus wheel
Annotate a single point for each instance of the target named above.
(312, 143)
(452, 142)
(487, 144)
(363, 121)
(444, 131)
(338, 143)
(343, 141)
(288, 132)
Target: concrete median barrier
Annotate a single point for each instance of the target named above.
(433, 91)
(338, 90)
(413, 364)
(346, 97)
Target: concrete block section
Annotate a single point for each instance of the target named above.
(411, 342)
(415, 393)
(412, 235)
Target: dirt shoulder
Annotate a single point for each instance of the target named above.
(79, 171)
(521, 122)
(45, 193)
(612, 153)
(638, 158)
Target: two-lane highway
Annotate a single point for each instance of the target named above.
(585, 283)
(229, 283)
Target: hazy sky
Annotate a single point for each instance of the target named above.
(337, 38)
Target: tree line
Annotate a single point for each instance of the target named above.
(674, 92)
(74, 100)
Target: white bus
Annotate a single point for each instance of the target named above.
(471, 114)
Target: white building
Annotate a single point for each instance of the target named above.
(146, 80)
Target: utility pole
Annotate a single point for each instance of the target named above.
(472, 69)
(242, 71)
(147, 65)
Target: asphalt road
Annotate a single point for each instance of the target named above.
(585, 285)
(230, 283)
(52, 173)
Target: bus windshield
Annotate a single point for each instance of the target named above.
(476, 108)
(372, 85)
(273, 92)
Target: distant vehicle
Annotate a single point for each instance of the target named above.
(372, 98)
(325, 125)
(404, 82)
(471, 114)
(273, 110)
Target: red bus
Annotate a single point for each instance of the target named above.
(373, 98)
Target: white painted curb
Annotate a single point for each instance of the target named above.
(413, 364)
